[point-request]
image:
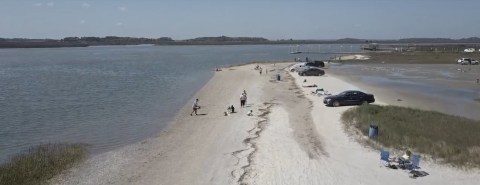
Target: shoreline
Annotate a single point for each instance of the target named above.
(187, 142)
(291, 139)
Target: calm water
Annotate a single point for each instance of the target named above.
(428, 82)
(108, 96)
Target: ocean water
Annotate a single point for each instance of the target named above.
(109, 96)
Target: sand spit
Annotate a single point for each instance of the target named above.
(292, 138)
(352, 57)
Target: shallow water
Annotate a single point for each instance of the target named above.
(108, 96)
(453, 91)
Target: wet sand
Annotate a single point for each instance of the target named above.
(292, 138)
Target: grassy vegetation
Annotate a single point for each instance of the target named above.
(450, 139)
(41, 163)
(417, 57)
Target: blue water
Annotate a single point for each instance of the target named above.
(108, 96)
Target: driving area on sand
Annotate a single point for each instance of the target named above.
(291, 138)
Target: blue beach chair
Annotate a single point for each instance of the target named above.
(414, 162)
(384, 158)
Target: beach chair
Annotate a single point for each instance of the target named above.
(384, 158)
(317, 90)
(414, 162)
(321, 92)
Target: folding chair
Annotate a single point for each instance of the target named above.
(384, 158)
(414, 162)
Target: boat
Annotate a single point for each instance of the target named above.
(294, 50)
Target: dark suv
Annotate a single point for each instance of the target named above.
(315, 63)
(349, 98)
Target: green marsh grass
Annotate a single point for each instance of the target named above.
(41, 163)
(450, 139)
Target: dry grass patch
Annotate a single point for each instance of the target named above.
(41, 163)
(450, 139)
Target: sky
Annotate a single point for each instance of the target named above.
(271, 19)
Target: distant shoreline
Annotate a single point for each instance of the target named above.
(223, 40)
(73, 45)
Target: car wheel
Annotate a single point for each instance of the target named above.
(336, 103)
(365, 103)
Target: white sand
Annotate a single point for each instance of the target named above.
(353, 57)
(291, 139)
(280, 161)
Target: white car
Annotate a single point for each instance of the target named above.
(295, 66)
(474, 62)
(467, 61)
(469, 50)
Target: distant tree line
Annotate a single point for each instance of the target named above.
(227, 39)
(221, 40)
(114, 40)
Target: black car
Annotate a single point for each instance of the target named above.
(311, 72)
(349, 98)
(316, 63)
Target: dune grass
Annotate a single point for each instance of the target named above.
(450, 139)
(41, 163)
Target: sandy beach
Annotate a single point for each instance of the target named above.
(292, 138)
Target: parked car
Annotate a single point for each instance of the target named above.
(300, 69)
(295, 66)
(316, 63)
(467, 61)
(469, 50)
(474, 62)
(349, 98)
(304, 65)
(312, 72)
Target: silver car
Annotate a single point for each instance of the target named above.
(467, 61)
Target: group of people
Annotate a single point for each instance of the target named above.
(260, 69)
(230, 109)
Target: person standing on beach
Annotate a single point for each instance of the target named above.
(195, 107)
(243, 98)
(245, 94)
